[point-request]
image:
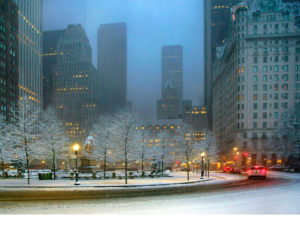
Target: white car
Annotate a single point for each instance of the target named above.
(11, 173)
(257, 172)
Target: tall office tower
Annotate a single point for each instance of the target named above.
(170, 105)
(30, 50)
(256, 81)
(50, 56)
(8, 57)
(216, 22)
(75, 85)
(112, 66)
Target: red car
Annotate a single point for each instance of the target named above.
(227, 169)
(257, 172)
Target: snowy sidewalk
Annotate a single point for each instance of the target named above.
(175, 178)
(18, 190)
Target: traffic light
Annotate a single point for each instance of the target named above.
(235, 157)
(177, 162)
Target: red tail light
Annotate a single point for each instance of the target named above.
(249, 171)
(230, 169)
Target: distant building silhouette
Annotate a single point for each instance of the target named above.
(216, 26)
(75, 83)
(170, 104)
(112, 66)
(50, 55)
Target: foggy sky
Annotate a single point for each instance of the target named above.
(151, 24)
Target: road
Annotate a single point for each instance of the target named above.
(278, 195)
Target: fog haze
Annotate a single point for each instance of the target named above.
(151, 24)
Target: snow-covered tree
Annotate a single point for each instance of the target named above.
(162, 148)
(52, 136)
(288, 133)
(25, 133)
(5, 142)
(103, 134)
(210, 146)
(186, 145)
(124, 124)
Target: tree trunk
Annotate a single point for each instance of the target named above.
(2, 163)
(142, 165)
(104, 167)
(27, 162)
(125, 164)
(27, 166)
(188, 168)
(53, 164)
(207, 168)
(162, 165)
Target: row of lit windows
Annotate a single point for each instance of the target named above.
(28, 22)
(276, 68)
(50, 54)
(65, 89)
(90, 105)
(80, 76)
(157, 127)
(27, 90)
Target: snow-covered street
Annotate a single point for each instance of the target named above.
(279, 195)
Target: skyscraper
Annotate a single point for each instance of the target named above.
(112, 66)
(216, 23)
(75, 84)
(30, 50)
(256, 81)
(50, 56)
(8, 57)
(170, 105)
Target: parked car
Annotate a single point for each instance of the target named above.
(257, 172)
(85, 175)
(289, 169)
(235, 171)
(227, 169)
(277, 168)
(11, 172)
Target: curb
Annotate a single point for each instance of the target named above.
(105, 186)
(93, 193)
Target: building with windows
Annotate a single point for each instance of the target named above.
(112, 67)
(8, 57)
(216, 26)
(50, 56)
(197, 118)
(75, 83)
(30, 50)
(256, 81)
(170, 105)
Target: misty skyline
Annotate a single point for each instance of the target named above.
(151, 25)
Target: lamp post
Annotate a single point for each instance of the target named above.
(235, 157)
(76, 148)
(202, 164)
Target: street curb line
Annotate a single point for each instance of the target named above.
(92, 193)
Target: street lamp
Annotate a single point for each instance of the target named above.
(202, 164)
(76, 148)
(235, 157)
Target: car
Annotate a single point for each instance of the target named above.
(227, 169)
(289, 169)
(11, 172)
(277, 168)
(235, 171)
(257, 172)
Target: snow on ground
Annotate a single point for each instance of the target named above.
(176, 177)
